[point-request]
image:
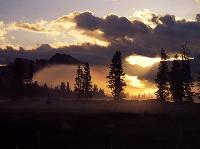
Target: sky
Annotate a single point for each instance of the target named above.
(92, 30)
(44, 12)
(13, 10)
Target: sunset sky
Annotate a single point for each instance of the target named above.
(91, 30)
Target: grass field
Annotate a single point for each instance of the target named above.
(97, 106)
(99, 125)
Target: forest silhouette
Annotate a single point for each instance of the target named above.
(16, 79)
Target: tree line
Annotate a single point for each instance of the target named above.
(177, 83)
(16, 82)
(173, 80)
(83, 84)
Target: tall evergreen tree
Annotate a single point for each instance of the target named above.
(95, 90)
(101, 93)
(68, 90)
(176, 80)
(116, 77)
(78, 87)
(187, 78)
(87, 84)
(63, 88)
(162, 80)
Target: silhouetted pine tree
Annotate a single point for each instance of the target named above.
(78, 87)
(101, 93)
(162, 80)
(95, 90)
(176, 81)
(87, 84)
(68, 89)
(187, 78)
(116, 77)
(18, 79)
(63, 88)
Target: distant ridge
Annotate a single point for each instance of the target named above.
(27, 66)
(59, 58)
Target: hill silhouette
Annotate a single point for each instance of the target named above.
(59, 58)
(28, 67)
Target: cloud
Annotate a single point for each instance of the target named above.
(134, 81)
(142, 61)
(58, 25)
(113, 26)
(168, 31)
(145, 33)
(146, 16)
(4, 39)
(198, 17)
(61, 31)
(197, 1)
(2, 31)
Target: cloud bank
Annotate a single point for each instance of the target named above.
(145, 33)
(95, 39)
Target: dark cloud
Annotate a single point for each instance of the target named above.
(170, 33)
(198, 17)
(94, 54)
(168, 20)
(155, 19)
(29, 27)
(88, 21)
(112, 26)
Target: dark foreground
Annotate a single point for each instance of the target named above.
(79, 126)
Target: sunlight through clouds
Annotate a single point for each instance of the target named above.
(2, 31)
(146, 16)
(134, 81)
(142, 61)
(60, 32)
(136, 86)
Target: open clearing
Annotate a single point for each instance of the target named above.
(99, 125)
(84, 106)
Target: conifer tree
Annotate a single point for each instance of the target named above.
(95, 90)
(162, 80)
(63, 88)
(68, 89)
(176, 80)
(78, 87)
(187, 78)
(116, 77)
(87, 84)
(101, 93)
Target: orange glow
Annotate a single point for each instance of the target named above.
(54, 75)
(134, 81)
(144, 61)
